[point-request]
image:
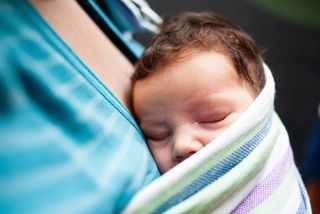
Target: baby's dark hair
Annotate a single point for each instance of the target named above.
(203, 32)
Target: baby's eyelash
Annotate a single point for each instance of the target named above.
(158, 137)
(213, 118)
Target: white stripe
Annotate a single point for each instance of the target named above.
(80, 204)
(14, 186)
(141, 171)
(114, 165)
(42, 137)
(279, 151)
(292, 204)
(88, 108)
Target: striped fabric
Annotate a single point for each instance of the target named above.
(248, 169)
(67, 145)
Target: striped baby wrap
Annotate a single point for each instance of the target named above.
(248, 169)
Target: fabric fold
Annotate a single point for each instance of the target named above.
(248, 168)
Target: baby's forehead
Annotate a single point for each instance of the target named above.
(163, 69)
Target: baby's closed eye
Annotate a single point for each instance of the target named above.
(157, 135)
(211, 117)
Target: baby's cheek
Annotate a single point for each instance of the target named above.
(163, 159)
(230, 120)
(212, 134)
(233, 117)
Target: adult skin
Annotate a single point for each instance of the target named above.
(85, 38)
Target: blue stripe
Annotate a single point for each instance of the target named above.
(304, 196)
(218, 170)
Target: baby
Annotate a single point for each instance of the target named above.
(197, 77)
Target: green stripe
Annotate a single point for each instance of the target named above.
(197, 172)
(213, 195)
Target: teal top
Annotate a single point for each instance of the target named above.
(66, 143)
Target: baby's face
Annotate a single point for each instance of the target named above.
(185, 105)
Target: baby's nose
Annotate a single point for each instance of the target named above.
(184, 146)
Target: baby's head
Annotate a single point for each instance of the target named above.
(197, 77)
